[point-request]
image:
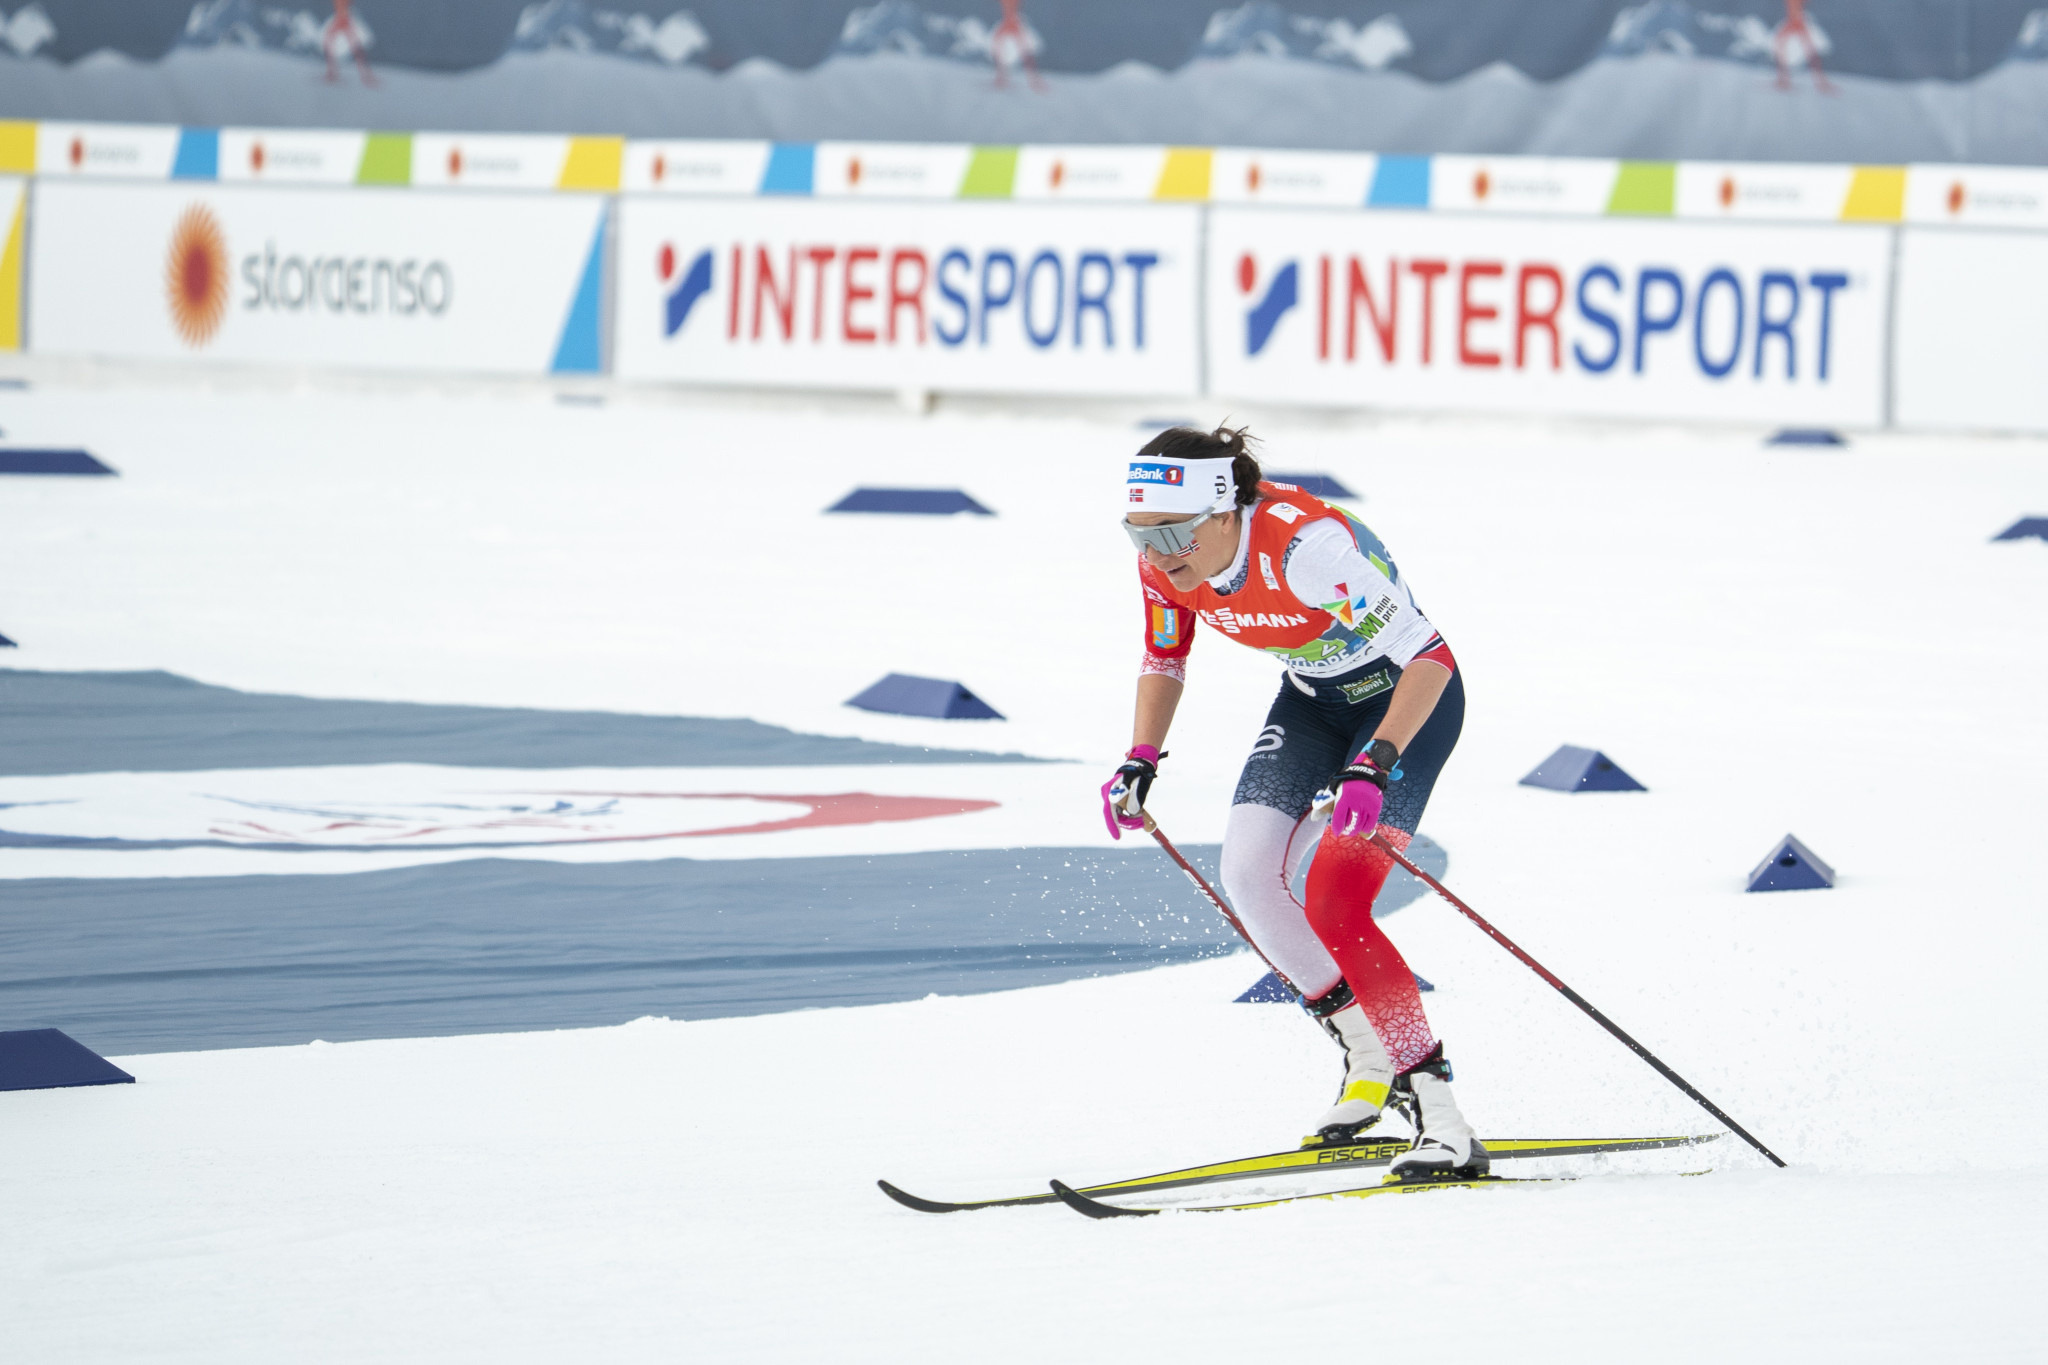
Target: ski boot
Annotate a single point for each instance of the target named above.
(1445, 1147)
(1368, 1071)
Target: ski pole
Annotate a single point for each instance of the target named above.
(1595, 1015)
(1202, 885)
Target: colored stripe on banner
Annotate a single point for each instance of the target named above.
(18, 147)
(1646, 188)
(1876, 195)
(790, 168)
(198, 155)
(1399, 182)
(991, 174)
(387, 160)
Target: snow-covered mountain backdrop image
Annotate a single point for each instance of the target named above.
(1826, 80)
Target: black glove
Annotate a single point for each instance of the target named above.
(1123, 796)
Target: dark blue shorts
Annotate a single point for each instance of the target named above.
(1308, 738)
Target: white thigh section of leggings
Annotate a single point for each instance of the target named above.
(1256, 875)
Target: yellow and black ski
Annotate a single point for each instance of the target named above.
(1095, 1208)
(1370, 1152)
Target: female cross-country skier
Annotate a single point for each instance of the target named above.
(1369, 708)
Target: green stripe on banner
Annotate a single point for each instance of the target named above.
(387, 159)
(992, 174)
(1645, 187)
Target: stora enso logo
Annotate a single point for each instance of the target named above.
(1283, 291)
(196, 276)
(682, 293)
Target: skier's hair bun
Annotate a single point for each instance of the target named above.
(1224, 443)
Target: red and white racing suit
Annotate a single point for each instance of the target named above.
(1314, 587)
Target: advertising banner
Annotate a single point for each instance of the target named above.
(360, 278)
(1978, 196)
(14, 223)
(1614, 317)
(982, 297)
(289, 156)
(1971, 341)
(679, 166)
(103, 151)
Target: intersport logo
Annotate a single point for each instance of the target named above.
(1283, 291)
(684, 290)
(818, 293)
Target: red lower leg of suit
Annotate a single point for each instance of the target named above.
(1343, 882)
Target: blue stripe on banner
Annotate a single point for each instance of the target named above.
(198, 154)
(580, 350)
(789, 169)
(1400, 182)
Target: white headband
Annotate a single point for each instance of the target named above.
(1181, 486)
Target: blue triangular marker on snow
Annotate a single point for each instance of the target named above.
(2036, 527)
(902, 694)
(51, 462)
(936, 502)
(1267, 990)
(50, 1059)
(1572, 769)
(6, 643)
(1271, 990)
(579, 351)
(1805, 436)
(1791, 866)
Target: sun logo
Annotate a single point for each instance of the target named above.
(196, 276)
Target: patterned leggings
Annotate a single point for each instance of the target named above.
(1333, 937)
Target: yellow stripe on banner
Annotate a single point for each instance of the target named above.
(1876, 195)
(18, 147)
(1185, 175)
(593, 163)
(10, 278)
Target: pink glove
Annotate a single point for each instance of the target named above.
(1123, 796)
(1358, 808)
(1356, 795)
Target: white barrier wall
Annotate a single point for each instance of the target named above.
(1822, 295)
(1972, 338)
(1004, 297)
(1602, 317)
(361, 278)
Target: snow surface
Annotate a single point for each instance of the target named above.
(1771, 639)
